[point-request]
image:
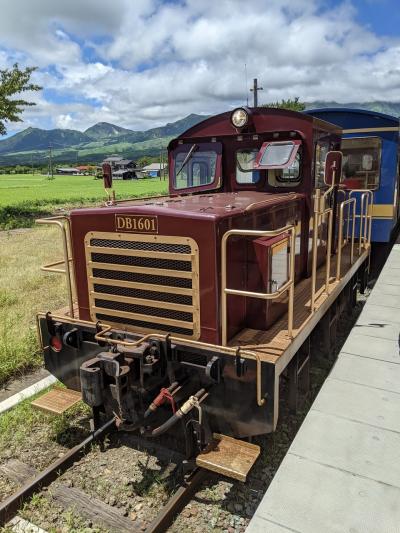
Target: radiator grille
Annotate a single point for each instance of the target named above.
(183, 299)
(142, 278)
(144, 283)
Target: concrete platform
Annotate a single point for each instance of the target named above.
(342, 471)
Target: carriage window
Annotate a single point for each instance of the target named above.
(361, 162)
(195, 165)
(245, 172)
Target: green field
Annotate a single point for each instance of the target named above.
(23, 197)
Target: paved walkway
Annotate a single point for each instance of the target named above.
(21, 383)
(342, 471)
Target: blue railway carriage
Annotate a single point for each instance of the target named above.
(370, 146)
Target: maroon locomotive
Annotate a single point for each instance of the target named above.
(166, 286)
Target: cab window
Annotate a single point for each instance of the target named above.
(361, 162)
(196, 165)
(245, 173)
(286, 177)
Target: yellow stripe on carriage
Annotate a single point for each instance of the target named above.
(369, 130)
(382, 210)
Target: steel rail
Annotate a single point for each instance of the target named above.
(10, 506)
(177, 502)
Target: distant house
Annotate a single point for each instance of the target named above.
(113, 160)
(154, 170)
(67, 171)
(122, 169)
(83, 169)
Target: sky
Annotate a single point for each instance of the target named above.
(142, 63)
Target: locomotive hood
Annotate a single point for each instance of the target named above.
(216, 205)
(152, 241)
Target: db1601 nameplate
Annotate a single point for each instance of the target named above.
(136, 224)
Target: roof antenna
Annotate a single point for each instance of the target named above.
(246, 89)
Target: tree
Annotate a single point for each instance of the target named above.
(13, 82)
(291, 104)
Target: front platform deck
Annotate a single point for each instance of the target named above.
(274, 345)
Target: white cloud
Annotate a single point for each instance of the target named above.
(151, 62)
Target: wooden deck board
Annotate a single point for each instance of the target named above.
(57, 401)
(272, 343)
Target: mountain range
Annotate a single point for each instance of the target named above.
(31, 146)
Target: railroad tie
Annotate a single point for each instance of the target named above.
(71, 497)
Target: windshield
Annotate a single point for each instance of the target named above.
(245, 160)
(196, 165)
(277, 154)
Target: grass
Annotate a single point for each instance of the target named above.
(18, 425)
(25, 290)
(24, 197)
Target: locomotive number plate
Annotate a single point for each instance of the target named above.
(136, 224)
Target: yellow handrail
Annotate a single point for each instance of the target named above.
(64, 224)
(288, 286)
(320, 210)
(365, 216)
(105, 330)
(352, 203)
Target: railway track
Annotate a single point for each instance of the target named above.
(36, 482)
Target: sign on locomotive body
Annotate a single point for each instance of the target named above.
(191, 298)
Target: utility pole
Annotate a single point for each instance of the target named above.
(50, 162)
(255, 90)
(32, 164)
(161, 162)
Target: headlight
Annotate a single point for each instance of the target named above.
(239, 117)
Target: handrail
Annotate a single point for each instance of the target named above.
(245, 354)
(105, 329)
(365, 216)
(63, 223)
(288, 286)
(320, 210)
(351, 202)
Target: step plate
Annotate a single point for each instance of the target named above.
(57, 401)
(228, 456)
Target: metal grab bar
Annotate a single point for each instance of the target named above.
(365, 216)
(352, 203)
(102, 336)
(64, 224)
(288, 286)
(320, 211)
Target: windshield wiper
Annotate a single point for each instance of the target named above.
(188, 156)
